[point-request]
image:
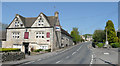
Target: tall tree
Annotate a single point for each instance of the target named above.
(111, 34)
(99, 36)
(75, 35)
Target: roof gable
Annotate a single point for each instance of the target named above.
(16, 19)
(29, 21)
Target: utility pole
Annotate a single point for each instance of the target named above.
(106, 43)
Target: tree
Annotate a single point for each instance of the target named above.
(111, 34)
(99, 36)
(75, 35)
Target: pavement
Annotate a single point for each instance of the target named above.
(105, 56)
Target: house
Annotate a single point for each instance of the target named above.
(41, 32)
(2, 36)
(89, 38)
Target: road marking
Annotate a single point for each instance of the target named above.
(79, 48)
(91, 60)
(67, 57)
(58, 61)
(29, 62)
(106, 53)
(39, 59)
(73, 53)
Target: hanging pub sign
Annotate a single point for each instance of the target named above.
(57, 28)
(26, 35)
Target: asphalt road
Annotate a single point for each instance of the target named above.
(79, 54)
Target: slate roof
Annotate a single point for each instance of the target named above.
(65, 32)
(28, 21)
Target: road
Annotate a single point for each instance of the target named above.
(79, 54)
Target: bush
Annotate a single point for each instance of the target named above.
(115, 45)
(100, 45)
(48, 50)
(9, 50)
(119, 40)
(38, 50)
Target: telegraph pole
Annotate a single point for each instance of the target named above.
(106, 43)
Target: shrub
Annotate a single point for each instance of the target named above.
(49, 50)
(100, 45)
(115, 45)
(119, 40)
(38, 50)
(9, 49)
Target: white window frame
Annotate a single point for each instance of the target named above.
(15, 35)
(40, 34)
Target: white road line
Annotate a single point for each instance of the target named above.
(91, 60)
(73, 53)
(106, 53)
(67, 57)
(79, 48)
(58, 62)
(39, 59)
(29, 62)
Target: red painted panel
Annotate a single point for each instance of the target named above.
(48, 34)
(26, 35)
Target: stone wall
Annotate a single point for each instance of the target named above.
(11, 56)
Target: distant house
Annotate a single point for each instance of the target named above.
(2, 37)
(41, 32)
(89, 38)
(83, 37)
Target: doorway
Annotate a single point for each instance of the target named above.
(26, 47)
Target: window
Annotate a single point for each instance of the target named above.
(21, 24)
(40, 22)
(47, 40)
(36, 36)
(17, 24)
(40, 34)
(16, 35)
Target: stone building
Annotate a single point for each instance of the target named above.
(41, 32)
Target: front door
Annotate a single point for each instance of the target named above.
(26, 47)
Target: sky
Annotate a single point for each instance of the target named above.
(86, 16)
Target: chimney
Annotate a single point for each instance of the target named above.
(56, 14)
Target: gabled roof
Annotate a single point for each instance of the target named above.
(28, 21)
(52, 20)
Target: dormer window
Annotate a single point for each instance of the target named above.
(21, 24)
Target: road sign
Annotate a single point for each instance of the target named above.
(57, 28)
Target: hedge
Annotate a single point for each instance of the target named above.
(49, 50)
(115, 45)
(100, 45)
(9, 49)
(38, 50)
